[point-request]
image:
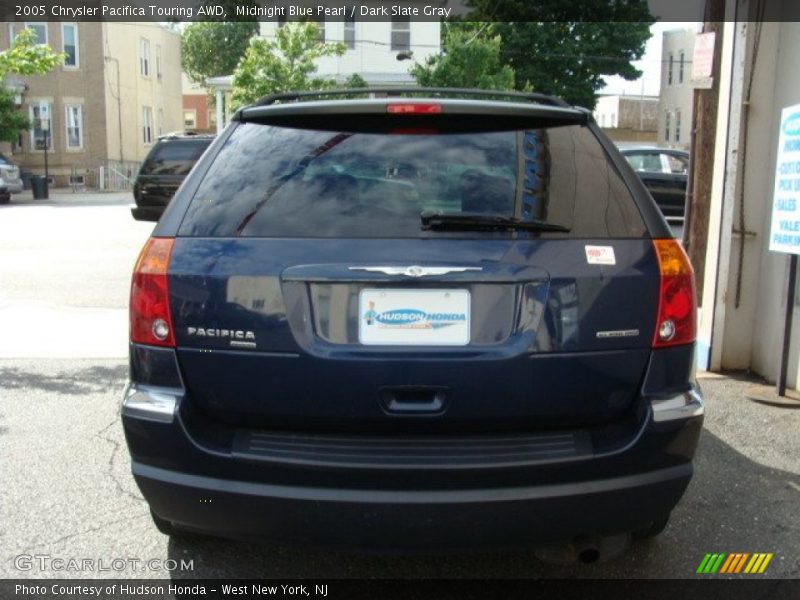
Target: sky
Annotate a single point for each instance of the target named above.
(650, 65)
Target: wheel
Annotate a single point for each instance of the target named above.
(653, 529)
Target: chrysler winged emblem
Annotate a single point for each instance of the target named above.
(415, 270)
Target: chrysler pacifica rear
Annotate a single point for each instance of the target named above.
(431, 318)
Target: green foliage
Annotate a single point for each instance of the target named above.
(12, 120)
(355, 81)
(566, 48)
(285, 64)
(214, 48)
(470, 58)
(24, 57)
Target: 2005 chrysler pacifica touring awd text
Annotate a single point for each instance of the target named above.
(436, 317)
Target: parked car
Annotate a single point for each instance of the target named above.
(453, 320)
(664, 171)
(163, 171)
(10, 182)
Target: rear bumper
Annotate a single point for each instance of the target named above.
(205, 485)
(412, 519)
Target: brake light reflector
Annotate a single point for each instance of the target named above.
(677, 306)
(151, 322)
(414, 109)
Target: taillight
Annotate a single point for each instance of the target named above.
(150, 319)
(677, 308)
(418, 108)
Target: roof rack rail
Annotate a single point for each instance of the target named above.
(430, 91)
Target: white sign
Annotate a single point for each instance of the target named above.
(395, 317)
(784, 235)
(600, 255)
(703, 60)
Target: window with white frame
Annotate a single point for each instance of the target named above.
(40, 29)
(190, 119)
(670, 66)
(350, 32)
(158, 61)
(666, 125)
(74, 126)
(42, 130)
(678, 125)
(681, 64)
(144, 57)
(401, 34)
(69, 44)
(147, 125)
(160, 121)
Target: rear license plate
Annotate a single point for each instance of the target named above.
(414, 317)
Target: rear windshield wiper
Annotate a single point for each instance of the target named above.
(481, 221)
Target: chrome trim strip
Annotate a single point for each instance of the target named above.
(682, 406)
(151, 403)
(415, 270)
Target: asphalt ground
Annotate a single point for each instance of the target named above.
(65, 485)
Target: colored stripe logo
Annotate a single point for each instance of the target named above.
(736, 562)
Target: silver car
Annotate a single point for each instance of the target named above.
(9, 176)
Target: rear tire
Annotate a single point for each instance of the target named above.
(652, 530)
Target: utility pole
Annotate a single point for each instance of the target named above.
(704, 131)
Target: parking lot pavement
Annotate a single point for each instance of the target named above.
(67, 492)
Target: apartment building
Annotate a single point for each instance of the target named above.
(675, 105)
(118, 90)
(628, 118)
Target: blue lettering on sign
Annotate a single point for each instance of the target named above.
(791, 146)
(788, 204)
(792, 125)
(400, 317)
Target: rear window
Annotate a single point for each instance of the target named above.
(270, 181)
(174, 158)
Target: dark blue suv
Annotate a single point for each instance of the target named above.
(436, 317)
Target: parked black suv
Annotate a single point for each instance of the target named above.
(436, 318)
(166, 166)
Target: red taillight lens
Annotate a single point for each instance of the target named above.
(414, 109)
(150, 319)
(677, 308)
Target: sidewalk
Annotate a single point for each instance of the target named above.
(61, 196)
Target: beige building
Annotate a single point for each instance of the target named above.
(628, 118)
(677, 92)
(117, 91)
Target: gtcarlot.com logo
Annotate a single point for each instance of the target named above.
(735, 562)
(47, 562)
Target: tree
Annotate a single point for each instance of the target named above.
(470, 58)
(565, 48)
(283, 65)
(23, 57)
(214, 48)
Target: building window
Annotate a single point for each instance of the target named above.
(158, 61)
(147, 125)
(321, 26)
(10, 34)
(42, 130)
(212, 119)
(74, 126)
(69, 44)
(190, 119)
(401, 34)
(671, 64)
(681, 63)
(40, 29)
(678, 125)
(350, 32)
(666, 126)
(160, 121)
(144, 57)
